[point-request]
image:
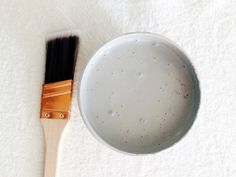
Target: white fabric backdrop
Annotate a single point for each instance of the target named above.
(205, 29)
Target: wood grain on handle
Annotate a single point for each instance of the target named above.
(53, 129)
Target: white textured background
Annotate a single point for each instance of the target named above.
(205, 29)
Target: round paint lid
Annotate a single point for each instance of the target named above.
(139, 93)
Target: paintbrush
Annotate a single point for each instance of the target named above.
(61, 54)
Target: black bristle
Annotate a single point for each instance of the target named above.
(61, 59)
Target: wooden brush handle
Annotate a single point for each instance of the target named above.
(53, 129)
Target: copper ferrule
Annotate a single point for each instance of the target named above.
(56, 100)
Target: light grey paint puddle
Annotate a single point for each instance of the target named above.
(139, 93)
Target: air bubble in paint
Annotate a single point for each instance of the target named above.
(140, 74)
(117, 114)
(112, 113)
(154, 44)
(186, 96)
(143, 121)
(154, 59)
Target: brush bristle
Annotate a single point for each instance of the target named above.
(61, 58)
